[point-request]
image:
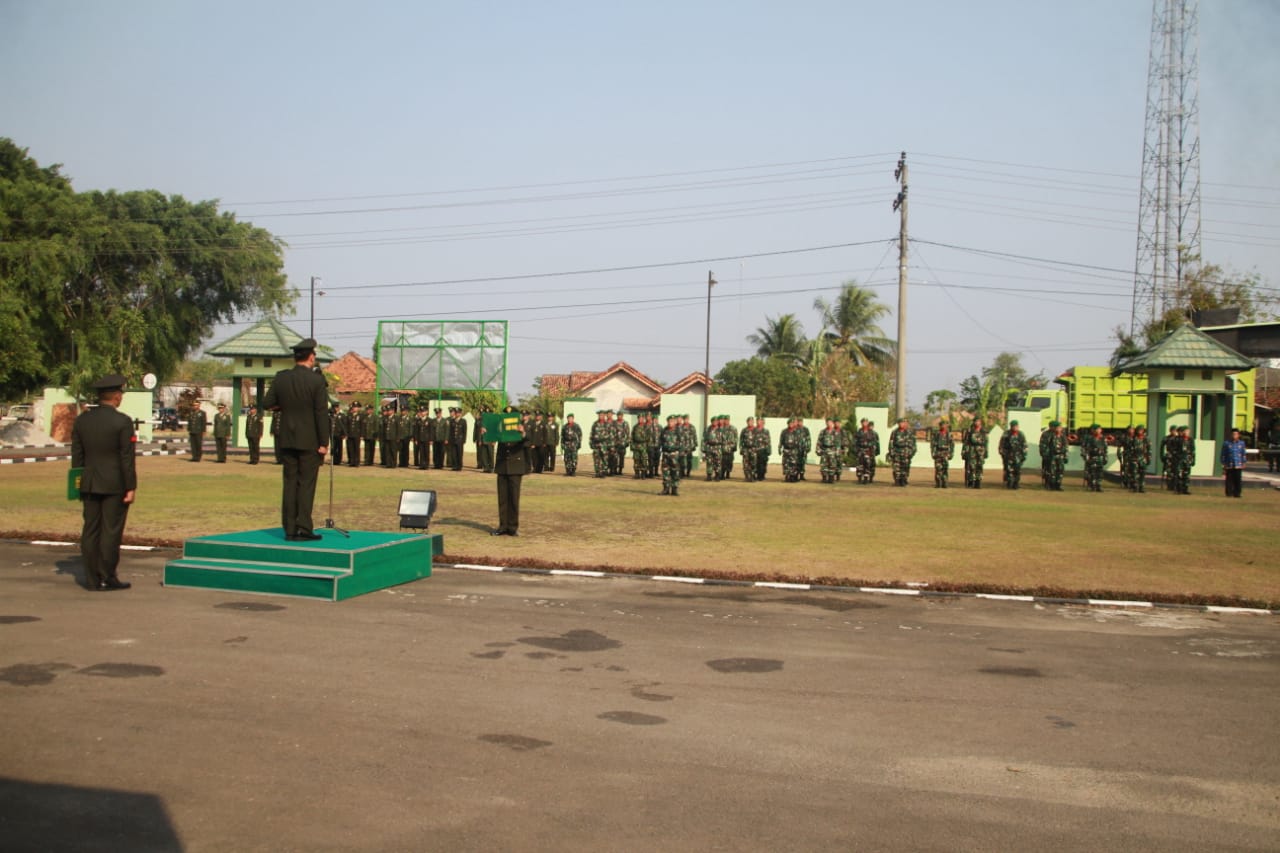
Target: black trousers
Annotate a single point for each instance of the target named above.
(301, 470)
(255, 450)
(197, 446)
(437, 454)
(509, 502)
(353, 451)
(1234, 481)
(335, 447)
(104, 517)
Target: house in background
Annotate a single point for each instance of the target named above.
(620, 387)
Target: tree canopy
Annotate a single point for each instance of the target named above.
(117, 282)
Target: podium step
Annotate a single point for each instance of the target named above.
(333, 568)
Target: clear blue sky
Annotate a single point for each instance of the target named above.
(418, 143)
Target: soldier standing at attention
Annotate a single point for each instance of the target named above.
(404, 425)
(806, 445)
(1013, 452)
(747, 447)
(728, 444)
(830, 451)
(598, 442)
(902, 449)
(673, 446)
(764, 449)
(355, 433)
(790, 445)
(300, 395)
(1053, 456)
(422, 432)
(197, 422)
(1124, 447)
(221, 432)
(1093, 449)
(553, 441)
(1183, 460)
(103, 444)
(372, 427)
(484, 449)
(640, 448)
(866, 447)
(973, 449)
(457, 439)
(621, 439)
(1167, 450)
(571, 442)
(439, 437)
(253, 433)
(337, 432)
(942, 447)
(711, 455)
(1138, 459)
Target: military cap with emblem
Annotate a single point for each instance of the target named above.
(110, 382)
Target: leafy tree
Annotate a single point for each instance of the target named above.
(938, 403)
(994, 389)
(1203, 287)
(117, 282)
(780, 337)
(474, 401)
(780, 389)
(850, 323)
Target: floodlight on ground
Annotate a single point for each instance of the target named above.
(416, 509)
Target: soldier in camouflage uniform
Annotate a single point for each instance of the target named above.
(570, 443)
(1167, 449)
(1093, 450)
(764, 449)
(1053, 456)
(673, 446)
(866, 448)
(1124, 445)
(689, 438)
(728, 446)
(830, 451)
(711, 455)
(1183, 459)
(806, 443)
(598, 441)
(655, 446)
(1013, 452)
(942, 447)
(973, 450)
(640, 448)
(902, 448)
(747, 449)
(1138, 458)
(791, 446)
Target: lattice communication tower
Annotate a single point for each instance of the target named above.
(1169, 202)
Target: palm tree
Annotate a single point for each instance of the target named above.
(850, 324)
(780, 337)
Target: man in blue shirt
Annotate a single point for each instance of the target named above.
(1233, 457)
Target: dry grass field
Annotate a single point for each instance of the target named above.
(1197, 548)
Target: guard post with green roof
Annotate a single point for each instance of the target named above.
(259, 353)
(1191, 364)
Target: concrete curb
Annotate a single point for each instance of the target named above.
(64, 456)
(797, 587)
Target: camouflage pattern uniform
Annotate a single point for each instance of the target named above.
(973, 450)
(1013, 452)
(1124, 446)
(902, 448)
(1139, 456)
(747, 447)
(1167, 450)
(655, 446)
(791, 446)
(728, 446)
(711, 455)
(599, 440)
(1093, 448)
(942, 447)
(830, 451)
(673, 447)
(866, 447)
(764, 449)
(640, 449)
(571, 443)
(1183, 460)
(1053, 456)
(806, 445)
(689, 437)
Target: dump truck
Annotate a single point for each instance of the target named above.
(1092, 395)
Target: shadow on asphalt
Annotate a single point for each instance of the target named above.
(36, 816)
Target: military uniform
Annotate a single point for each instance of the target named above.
(510, 467)
(404, 424)
(103, 444)
(301, 396)
(673, 447)
(942, 448)
(221, 432)
(197, 423)
(1013, 452)
(372, 432)
(640, 449)
(571, 443)
(422, 433)
(1053, 456)
(484, 449)
(902, 448)
(831, 451)
(973, 450)
(1124, 447)
(711, 455)
(337, 433)
(355, 433)
(253, 433)
(791, 447)
(598, 441)
(1093, 450)
(1184, 459)
(439, 438)
(1168, 447)
(764, 449)
(1139, 456)
(553, 441)
(866, 448)
(689, 437)
(748, 447)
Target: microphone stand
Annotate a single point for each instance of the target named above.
(328, 522)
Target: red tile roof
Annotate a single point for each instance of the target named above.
(355, 373)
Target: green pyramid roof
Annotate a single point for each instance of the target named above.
(1186, 347)
(267, 338)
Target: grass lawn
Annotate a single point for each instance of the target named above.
(1197, 548)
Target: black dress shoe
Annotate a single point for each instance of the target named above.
(497, 533)
(309, 537)
(114, 583)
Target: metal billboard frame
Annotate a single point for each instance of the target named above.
(433, 355)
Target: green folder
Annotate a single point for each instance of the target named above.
(73, 483)
(501, 426)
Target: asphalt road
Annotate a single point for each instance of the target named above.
(485, 712)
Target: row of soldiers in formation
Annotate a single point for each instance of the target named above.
(394, 436)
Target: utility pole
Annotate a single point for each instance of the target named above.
(313, 308)
(900, 205)
(706, 369)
